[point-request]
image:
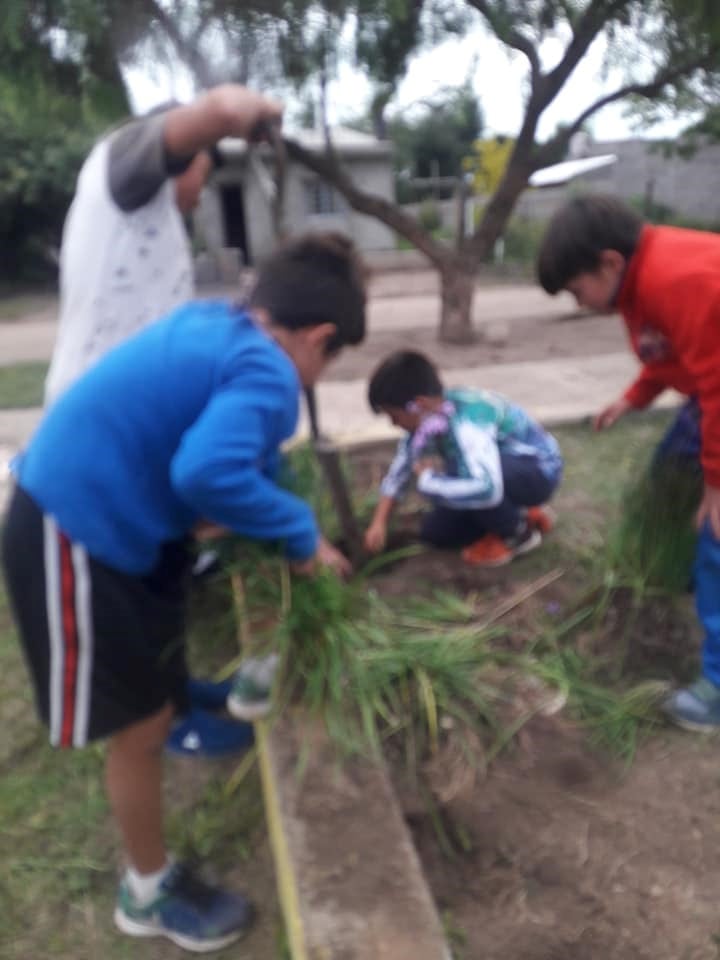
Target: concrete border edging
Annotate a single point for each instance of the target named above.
(350, 881)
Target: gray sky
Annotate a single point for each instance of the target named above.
(498, 78)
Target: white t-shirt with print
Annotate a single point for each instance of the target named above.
(119, 269)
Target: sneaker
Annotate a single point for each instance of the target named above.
(207, 694)
(252, 687)
(541, 518)
(696, 707)
(187, 911)
(493, 551)
(203, 734)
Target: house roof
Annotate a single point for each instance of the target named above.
(560, 173)
(346, 141)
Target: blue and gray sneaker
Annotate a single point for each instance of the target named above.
(696, 707)
(187, 911)
(250, 697)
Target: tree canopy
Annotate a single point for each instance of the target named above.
(58, 87)
(658, 54)
(435, 142)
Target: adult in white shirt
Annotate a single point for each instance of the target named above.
(125, 258)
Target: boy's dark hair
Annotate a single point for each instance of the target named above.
(312, 279)
(400, 378)
(577, 234)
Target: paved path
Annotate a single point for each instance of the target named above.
(559, 390)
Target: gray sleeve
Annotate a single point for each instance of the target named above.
(139, 163)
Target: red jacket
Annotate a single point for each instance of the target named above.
(670, 302)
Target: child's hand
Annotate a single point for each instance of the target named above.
(375, 537)
(610, 415)
(326, 556)
(329, 556)
(206, 530)
(709, 510)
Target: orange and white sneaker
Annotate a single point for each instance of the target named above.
(493, 551)
(541, 518)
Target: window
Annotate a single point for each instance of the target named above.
(321, 198)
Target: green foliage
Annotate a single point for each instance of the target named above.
(435, 141)
(615, 718)
(21, 385)
(57, 90)
(429, 216)
(40, 154)
(522, 240)
(654, 542)
(369, 671)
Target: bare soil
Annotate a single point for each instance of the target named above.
(515, 327)
(573, 857)
(558, 850)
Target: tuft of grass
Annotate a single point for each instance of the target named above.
(616, 718)
(653, 544)
(210, 831)
(21, 385)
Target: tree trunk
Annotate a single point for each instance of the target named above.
(457, 291)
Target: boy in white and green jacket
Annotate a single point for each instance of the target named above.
(486, 466)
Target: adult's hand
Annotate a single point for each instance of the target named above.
(247, 113)
(228, 110)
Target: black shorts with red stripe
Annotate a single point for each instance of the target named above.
(104, 648)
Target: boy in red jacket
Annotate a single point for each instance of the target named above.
(665, 282)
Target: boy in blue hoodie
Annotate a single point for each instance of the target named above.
(180, 425)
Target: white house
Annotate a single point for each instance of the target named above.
(234, 222)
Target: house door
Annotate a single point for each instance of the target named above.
(233, 207)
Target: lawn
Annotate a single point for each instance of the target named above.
(57, 845)
(22, 385)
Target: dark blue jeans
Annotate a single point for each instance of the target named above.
(681, 442)
(680, 447)
(525, 485)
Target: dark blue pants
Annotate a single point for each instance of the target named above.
(680, 447)
(525, 485)
(707, 601)
(681, 443)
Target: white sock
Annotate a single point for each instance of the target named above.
(145, 886)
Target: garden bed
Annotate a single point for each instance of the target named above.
(581, 828)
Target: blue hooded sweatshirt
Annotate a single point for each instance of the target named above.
(183, 422)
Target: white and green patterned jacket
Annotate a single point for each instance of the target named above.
(468, 435)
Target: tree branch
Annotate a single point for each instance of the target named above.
(511, 36)
(183, 46)
(327, 165)
(550, 151)
(594, 18)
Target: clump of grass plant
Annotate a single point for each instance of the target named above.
(367, 669)
(616, 718)
(653, 544)
(371, 670)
